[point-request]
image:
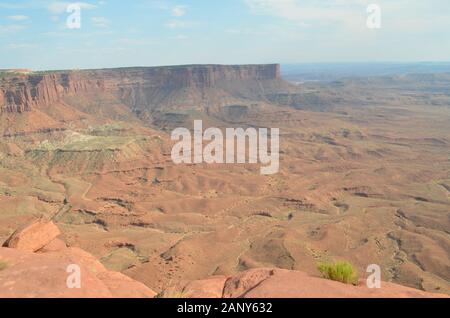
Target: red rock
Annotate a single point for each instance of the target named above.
(31, 275)
(206, 288)
(122, 286)
(44, 275)
(33, 237)
(240, 284)
(280, 283)
(56, 245)
(294, 284)
(28, 92)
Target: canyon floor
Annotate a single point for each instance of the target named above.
(364, 177)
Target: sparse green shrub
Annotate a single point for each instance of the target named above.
(3, 265)
(343, 272)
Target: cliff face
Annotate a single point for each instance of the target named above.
(23, 93)
(200, 76)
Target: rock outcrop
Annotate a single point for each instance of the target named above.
(48, 273)
(280, 283)
(22, 93)
(36, 263)
(33, 237)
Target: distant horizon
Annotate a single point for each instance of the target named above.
(232, 64)
(51, 35)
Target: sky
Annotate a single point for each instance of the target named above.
(113, 33)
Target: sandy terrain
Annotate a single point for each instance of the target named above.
(364, 176)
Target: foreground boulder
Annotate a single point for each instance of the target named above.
(280, 283)
(36, 264)
(205, 288)
(34, 236)
(45, 275)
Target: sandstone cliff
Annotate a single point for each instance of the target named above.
(138, 87)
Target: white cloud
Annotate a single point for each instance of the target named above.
(10, 5)
(305, 11)
(12, 28)
(250, 31)
(100, 22)
(181, 37)
(59, 7)
(17, 17)
(16, 46)
(134, 41)
(175, 24)
(179, 11)
(351, 14)
(336, 29)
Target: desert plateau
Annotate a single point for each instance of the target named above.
(364, 176)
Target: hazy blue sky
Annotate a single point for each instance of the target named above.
(34, 34)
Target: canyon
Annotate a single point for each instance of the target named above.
(364, 174)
